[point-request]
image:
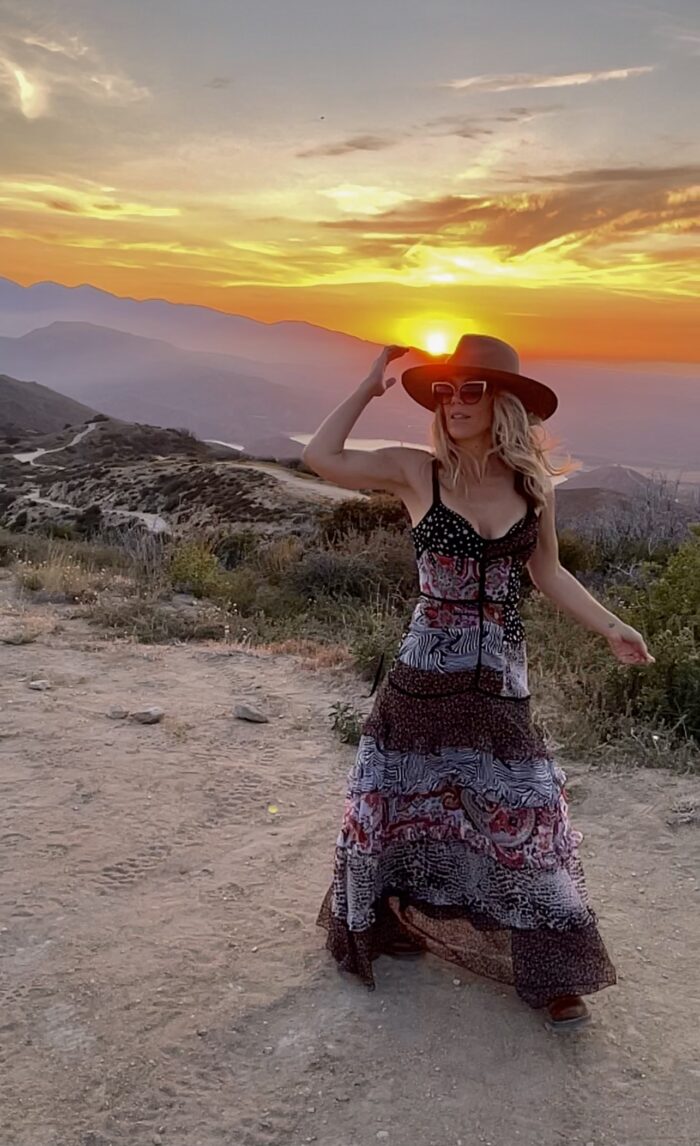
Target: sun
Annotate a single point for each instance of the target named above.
(436, 342)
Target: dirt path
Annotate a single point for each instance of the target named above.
(322, 489)
(32, 455)
(162, 977)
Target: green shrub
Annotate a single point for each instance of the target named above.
(362, 515)
(667, 610)
(346, 722)
(593, 686)
(357, 568)
(233, 548)
(578, 554)
(194, 568)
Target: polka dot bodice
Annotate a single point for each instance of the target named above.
(467, 617)
(445, 531)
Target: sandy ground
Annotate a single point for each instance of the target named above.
(162, 980)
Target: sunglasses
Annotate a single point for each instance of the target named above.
(469, 392)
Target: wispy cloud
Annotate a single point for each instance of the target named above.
(347, 146)
(71, 47)
(474, 127)
(36, 71)
(593, 209)
(524, 80)
(40, 197)
(685, 172)
(219, 82)
(464, 127)
(680, 35)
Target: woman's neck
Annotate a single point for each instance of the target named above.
(478, 457)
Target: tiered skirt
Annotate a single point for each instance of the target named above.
(456, 836)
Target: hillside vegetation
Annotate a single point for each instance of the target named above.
(338, 587)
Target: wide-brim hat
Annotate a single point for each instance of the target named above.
(479, 356)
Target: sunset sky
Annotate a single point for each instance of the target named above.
(402, 170)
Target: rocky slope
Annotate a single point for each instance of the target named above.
(29, 406)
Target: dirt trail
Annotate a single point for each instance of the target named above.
(32, 455)
(162, 977)
(310, 486)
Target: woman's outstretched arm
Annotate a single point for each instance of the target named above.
(569, 595)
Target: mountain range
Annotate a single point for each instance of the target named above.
(234, 378)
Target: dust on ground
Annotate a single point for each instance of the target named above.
(163, 980)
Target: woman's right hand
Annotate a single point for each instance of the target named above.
(375, 382)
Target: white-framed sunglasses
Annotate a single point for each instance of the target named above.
(469, 392)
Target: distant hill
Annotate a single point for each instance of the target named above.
(617, 479)
(147, 380)
(102, 439)
(235, 378)
(577, 508)
(31, 406)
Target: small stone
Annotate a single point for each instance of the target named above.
(118, 713)
(202, 1031)
(247, 712)
(148, 716)
(156, 1140)
(456, 982)
(382, 1134)
(39, 685)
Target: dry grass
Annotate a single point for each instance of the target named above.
(23, 627)
(62, 578)
(340, 606)
(314, 654)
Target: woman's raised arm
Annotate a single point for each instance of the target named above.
(327, 454)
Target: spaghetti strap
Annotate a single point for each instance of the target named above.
(436, 483)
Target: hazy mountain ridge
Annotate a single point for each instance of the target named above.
(193, 368)
(147, 380)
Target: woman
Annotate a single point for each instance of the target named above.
(456, 837)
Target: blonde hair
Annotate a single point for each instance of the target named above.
(519, 440)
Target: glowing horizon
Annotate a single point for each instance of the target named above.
(464, 185)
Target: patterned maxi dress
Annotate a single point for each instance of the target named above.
(455, 832)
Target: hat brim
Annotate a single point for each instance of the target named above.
(537, 398)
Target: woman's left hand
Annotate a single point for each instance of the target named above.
(628, 645)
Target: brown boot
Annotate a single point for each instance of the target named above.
(568, 1012)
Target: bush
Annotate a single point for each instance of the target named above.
(358, 569)
(578, 554)
(233, 548)
(194, 568)
(362, 515)
(594, 689)
(667, 610)
(89, 523)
